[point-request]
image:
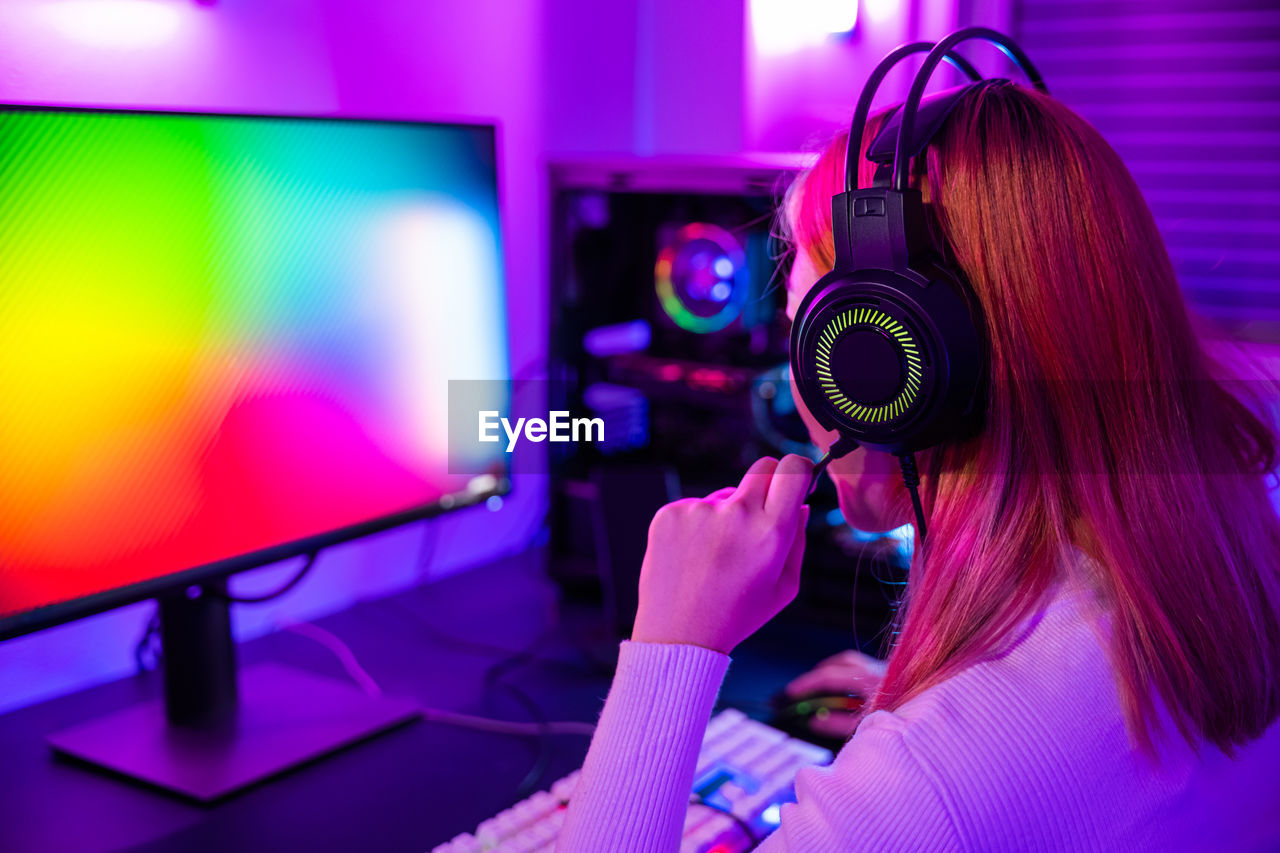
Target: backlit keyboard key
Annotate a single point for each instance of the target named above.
(812, 753)
(544, 832)
(781, 764)
(563, 789)
(726, 745)
(748, 752)
(725, 720)
(710, 832)
(463, 843)
(695, 818)
(489, 834)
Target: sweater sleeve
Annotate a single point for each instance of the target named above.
(634, 789)
(876, 795)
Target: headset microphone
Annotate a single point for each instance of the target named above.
(887, 349)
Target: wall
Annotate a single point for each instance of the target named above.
(644, 77)
(802, 89)
(397, 59)
(662, 77)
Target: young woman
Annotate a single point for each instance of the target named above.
(1090, 659)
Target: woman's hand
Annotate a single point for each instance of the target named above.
(852, 673)
(718, 568)
(849, 672)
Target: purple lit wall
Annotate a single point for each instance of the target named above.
(720, 77)
(645, 77)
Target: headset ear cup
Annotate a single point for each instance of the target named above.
(803, 366)
(890, 360)
(888, 348)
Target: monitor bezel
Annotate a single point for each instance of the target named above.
(51, 615)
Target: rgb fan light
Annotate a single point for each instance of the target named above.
(702, 278)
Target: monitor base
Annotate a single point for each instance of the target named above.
(284, 718)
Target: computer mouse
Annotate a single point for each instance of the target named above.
(795, 715)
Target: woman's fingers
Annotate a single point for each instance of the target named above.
(837, 678)
(717, 568)
(835, 724)
(853, 657)
(788, 487)
(754, 487)
(789, 581)
(818, 681)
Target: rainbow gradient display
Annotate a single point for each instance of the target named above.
(224, 333)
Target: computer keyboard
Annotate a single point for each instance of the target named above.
(746, 771)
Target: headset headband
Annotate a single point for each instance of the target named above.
(856, 128)
(934, 110)
(941, 51)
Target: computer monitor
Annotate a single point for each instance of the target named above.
(228, 341)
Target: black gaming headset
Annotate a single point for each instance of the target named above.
(887, 349)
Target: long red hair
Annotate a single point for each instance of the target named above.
(1108, 427)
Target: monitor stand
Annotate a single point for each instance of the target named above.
(215, 734)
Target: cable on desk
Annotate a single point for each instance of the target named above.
(367, 683)
(529, 783)
(345, 656)
(423, 624)
(494, 672)
(152, 630)
(279, 591)
(510, 658)
(518, 659)
(484, 724)
(427, 545)
(149, 642)
(515, 659)
(752, 839)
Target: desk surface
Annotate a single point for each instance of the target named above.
(406, 790)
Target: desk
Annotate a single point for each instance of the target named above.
(406, 790)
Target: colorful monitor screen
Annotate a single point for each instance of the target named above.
(226, 336)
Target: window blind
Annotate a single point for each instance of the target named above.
(1188, 92)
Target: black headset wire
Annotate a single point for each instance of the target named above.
(278, 591)
(911, 479)
(910, 475)
(147, 642)
(843, 446)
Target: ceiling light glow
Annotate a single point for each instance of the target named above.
(119, 24)
(781, 26)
